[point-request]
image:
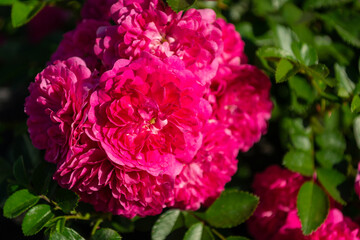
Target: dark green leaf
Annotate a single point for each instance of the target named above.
(41, 178)
(167, 223)
(299, 161)
(313, 207)
(67, 234)
(304, 53)
(7, 2)
(5, 170)
(302, 89)
(346, 86)
(106, 234)
(189, 219)
(36, 218)
(23, 12)
(66, 199)
(328, 158)
(355, 104)
(179, 5)
(313, 4)
(122, 224)
(236, 238)
(331, 179)
(19, 202)
(231, 209)
(320, 72)
(333, 140)
(198, 232)
(19, 171)
(356, 126)
(285, 70)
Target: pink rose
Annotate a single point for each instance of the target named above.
(56, 97)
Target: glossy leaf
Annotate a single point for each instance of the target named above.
(313, 207)
(179, 5)
(346, 86)
(167, 223)
(299, 161)
(36, 218)
(19, 202)
(231, 209)
(66, 199)
(304, 53)
(331, 179)
(66, 234)
(198, 232)
(106, 234)
(23, 12)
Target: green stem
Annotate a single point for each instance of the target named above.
(56, 206)
(97, 224)
(218, 234)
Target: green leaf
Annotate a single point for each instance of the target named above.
(179, 5)
(283, 37)
(19, 171)
(167, 223)
(41, 178)
(36, 218)
(271, 53)
(304, 53)
(343, 22)
(198, 232)
(356, 125)
(299, 161)
(5, 170)
(23, 12)
(331, 179)
(328, 158)
(60, 225)
(285, 70)
(106, 234)
(313, 4)
(189, 219)
(355, 104)
(301, 142)
(346, 86)
(333, 140)
(67, 234)
(313, 207)
(237, 238)
(320, 72)
(7, 2)
(19, 202)
(231, 209)
(66, 199)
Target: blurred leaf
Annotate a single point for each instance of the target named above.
(355, 104)
(328, 158)
(284, 37)
(331, 179)
(346, 86)
(304, 53)
(23, 12)
(66, 199)
(67, 234)
(5, 170)
(313, 4)
(299, 161)
(122, 224)
(198, 232)
(19, 171)
(41, 178)
(19, 202)
(313, 207)
(343, 21)
(106, 234)
(167, 223)
(231, 209)
(189, 219)
(36, 218)
(301, 142)
(179, 5)
(333, 140)
(320, 72)
(237, 238)
(356, 125)
(7, 2)
(285, 70)
(271, 53)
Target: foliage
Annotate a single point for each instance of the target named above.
(310, 49)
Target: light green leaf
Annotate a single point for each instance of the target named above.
(67, 234)
(313, 207)
(331, 179)
(285, 70)
(231, 209)
(328, 158)
(333, 140)
(283, 37)
(19, 171)
(299, 161)
(7, 2)
(36, 218)
(274, 53)
(304, 53)
(167, 223)
(23, 12)
(346, 86)
(179, 5)
(356, 125)
(198, 232)
(106, 234)
(301, 142)
(19, 202)
(355, 104)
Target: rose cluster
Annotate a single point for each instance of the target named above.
(276, 216)
(143, 108)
